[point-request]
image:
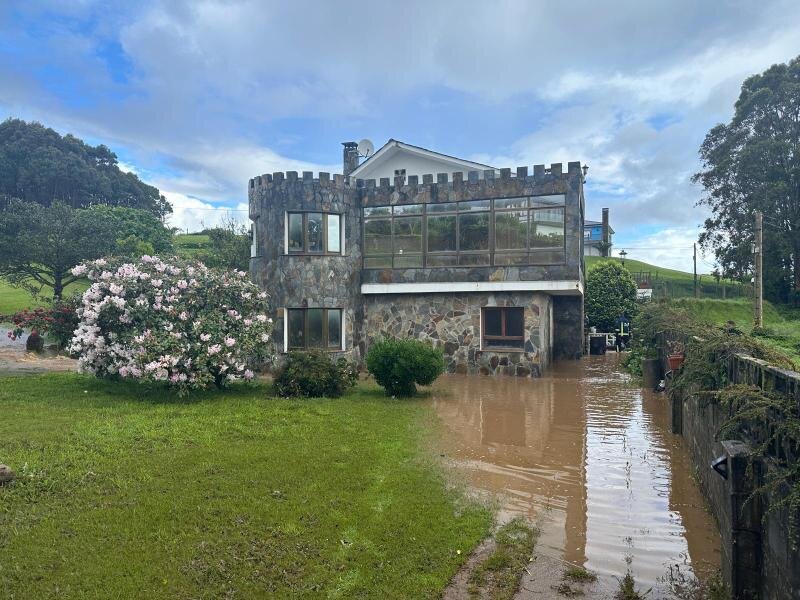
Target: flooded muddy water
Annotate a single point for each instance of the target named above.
(588, 457)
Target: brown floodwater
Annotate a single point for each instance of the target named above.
(588, 457)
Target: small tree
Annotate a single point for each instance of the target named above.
(40, 244)
(176, 322)
(398, 365)
(610, 294)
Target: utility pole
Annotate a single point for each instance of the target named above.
(695, 269)
(758, 316)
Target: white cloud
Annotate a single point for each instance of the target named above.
(670, 248)
(193, 215)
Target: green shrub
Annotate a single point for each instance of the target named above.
(313, 375)
(398, 365)
(610, 293)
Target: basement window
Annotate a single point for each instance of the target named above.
(503, 328)
(319, 328)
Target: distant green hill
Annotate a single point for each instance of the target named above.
(189, 245)
(670, 283)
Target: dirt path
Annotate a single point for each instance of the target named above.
(15, 361)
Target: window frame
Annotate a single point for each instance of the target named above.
(325, 329)
(503, 336)
(305, 251)
(531, 254)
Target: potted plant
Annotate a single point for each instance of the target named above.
(677, 352)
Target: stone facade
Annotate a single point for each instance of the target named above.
(453, 323)
(553, 323)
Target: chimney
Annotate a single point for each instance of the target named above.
(350, 157)
(605, 235)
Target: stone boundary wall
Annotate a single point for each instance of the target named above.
(759, 559)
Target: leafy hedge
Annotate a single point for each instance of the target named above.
(400, 365)
(313, 375)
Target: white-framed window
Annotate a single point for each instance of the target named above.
(314, 328)
(313, 232)
(253, 239)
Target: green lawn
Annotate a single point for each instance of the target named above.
(782, 324)
(128, 492)
(13, 299)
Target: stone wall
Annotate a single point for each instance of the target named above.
(759, 558)
(308, 281)
(567, 327)
(453, 322)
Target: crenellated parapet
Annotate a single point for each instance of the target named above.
(277, 187)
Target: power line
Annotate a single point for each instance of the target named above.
(216, 208)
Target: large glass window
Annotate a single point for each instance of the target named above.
(503, 231)
(503, 327)
(314, 328)
(314, 233)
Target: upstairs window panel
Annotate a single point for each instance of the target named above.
(503, 327)
(548, 228)
(473, 231)
(314, 233)
(511, 230)
(442, 233)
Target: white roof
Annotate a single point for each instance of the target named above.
(416, 160)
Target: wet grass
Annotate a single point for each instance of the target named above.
(498, 576)
(781, 324)
(627, 589)
(579, 575)
(125, 491)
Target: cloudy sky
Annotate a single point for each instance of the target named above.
(198, 96)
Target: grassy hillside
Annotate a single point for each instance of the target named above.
(670, 283)
(189, 245)
(781, 324)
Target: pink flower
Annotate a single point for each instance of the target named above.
(205, 336)
(212, 350)
(183, 316)
(248, 374)
(230, 342)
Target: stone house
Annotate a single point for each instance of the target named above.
(487, 265)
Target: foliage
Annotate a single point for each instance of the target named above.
(175, 322)
(39, 165)
(314, 375)
(58, 321)
(753, 164)
(228, 494)
(40, 244)
(610, 294)
(499, 575)
(579, 574)
(398, 365)
(627, 589)
(229, 246)
(136, 231)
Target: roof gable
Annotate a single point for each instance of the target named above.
(416, 160)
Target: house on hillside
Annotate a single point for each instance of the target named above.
(485, 263)
(598, 237)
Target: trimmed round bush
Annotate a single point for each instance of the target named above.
(314, 375)
(400, 365)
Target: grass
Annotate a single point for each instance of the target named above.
(781, 324)
(13, 299)
(189, 245)
(627, 589)
(579, 575)
(125, 491)
(498, 576)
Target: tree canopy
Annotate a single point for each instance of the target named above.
(753, 164)
(39, 245)
(610, 294)
(39, 165)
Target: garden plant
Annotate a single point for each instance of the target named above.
(170, 321)
(400, 365)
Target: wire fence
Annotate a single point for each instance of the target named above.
(707, 287)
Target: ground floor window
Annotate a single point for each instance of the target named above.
(308, 328)
(503, 327)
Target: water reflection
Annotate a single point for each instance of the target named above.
(588, 457)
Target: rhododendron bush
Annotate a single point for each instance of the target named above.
(171, 321)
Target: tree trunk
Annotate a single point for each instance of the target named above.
(58, 286)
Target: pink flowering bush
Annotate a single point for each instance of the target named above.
(171, 321)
